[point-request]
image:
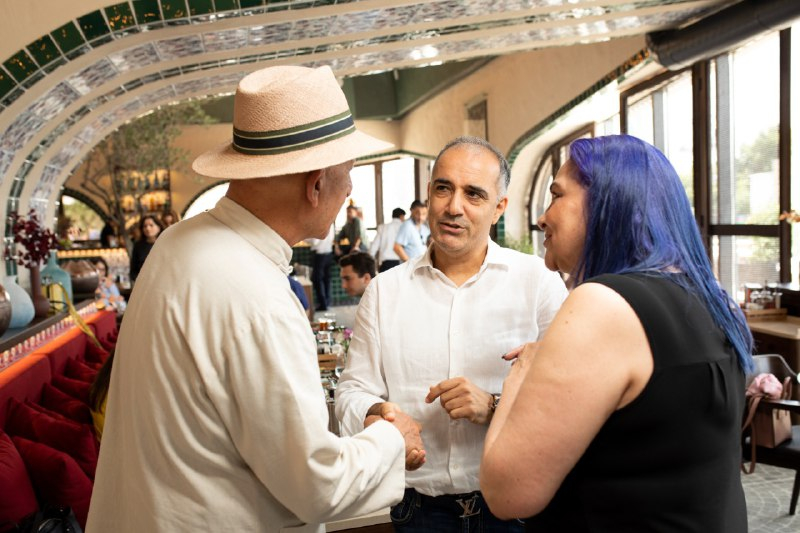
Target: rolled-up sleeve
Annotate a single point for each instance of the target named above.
(362, 384)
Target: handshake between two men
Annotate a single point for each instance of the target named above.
(458, 396)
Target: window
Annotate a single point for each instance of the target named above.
(398, 185)
(80, 222)
(660, 112)
(539, 199)
(206, 200)
(745, 181)
(725, 125)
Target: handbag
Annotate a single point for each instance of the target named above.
(50, 519)
(768, 429)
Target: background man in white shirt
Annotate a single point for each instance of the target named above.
(382, 248)
(429, 336)
(215, 419)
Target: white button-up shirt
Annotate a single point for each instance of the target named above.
(414, 328)
(382, 248)
(216, 419)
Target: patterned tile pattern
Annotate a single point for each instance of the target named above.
(258, 41)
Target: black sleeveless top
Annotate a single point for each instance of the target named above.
(668, 461)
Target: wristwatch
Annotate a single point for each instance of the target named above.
(493, 403)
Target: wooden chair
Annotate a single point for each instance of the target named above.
(787, 455)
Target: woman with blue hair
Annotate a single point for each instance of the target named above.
(626, 416)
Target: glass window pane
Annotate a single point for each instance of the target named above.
(610, 126)
(795, 163)
(739, 259)
(748, 92)
(206, 201)
(678, 129)
(362, 196)
(541, 200)
(398, 185)
(640, 119)
(85, 222)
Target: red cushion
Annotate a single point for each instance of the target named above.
(95, 354)
(57, 477)
(72, 438)
(64, 404)
(108, 345)
(74, 387)
(17, 499)
(81, 371)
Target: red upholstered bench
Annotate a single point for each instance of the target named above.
(23, 382)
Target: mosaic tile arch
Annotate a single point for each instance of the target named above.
(170, 40)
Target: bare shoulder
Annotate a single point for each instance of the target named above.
(599, 304)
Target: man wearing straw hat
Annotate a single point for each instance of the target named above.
(216, 420)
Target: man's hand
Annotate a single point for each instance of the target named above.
(462, 399)
(408, 427)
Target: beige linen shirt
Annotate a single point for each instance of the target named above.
(216, 419)
(414, 328)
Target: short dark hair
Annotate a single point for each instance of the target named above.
(417, 203)
(362, 263)
(398, 212)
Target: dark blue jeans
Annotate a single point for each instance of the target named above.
(321, 278)
(458, 513)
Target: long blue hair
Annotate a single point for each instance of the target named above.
(638, 219)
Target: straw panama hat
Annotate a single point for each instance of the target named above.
(287, 120)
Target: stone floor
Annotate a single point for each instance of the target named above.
(768, 491)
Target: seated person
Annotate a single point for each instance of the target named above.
(357, 270)
(98, 393)
(107, 295)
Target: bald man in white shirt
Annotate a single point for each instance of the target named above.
(429, 336)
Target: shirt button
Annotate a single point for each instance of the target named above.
(455, 467)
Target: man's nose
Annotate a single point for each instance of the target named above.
(455, 205)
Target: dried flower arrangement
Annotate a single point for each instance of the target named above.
(34, 240)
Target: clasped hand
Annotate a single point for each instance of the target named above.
(408, 427)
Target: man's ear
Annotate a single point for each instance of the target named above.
(500, 209)
(314, 186)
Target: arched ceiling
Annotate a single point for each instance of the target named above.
(77, 74)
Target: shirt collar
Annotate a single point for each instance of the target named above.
(254, 231)
(494, 257)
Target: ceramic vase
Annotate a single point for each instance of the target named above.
(57, 275)
(85, 279)
(21, 303)
(5, 310)
(41, 306)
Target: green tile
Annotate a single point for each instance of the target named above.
(273, 5)
(68, 37)
(251, 3)
(200, 7)
(120, 16)
(173, 9)
(20, 65)
(44, 50)
(226, 5)
(146, 11)
(93, 25)
(6, 83)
